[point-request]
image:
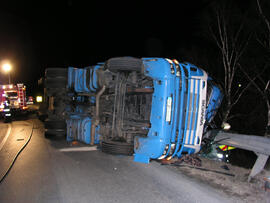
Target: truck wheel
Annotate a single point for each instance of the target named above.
(55, 128)
(55, 134)
(124, 64)
(56, 72)
(42, 117)
(113, 147)
(55, 124)
(55, 83)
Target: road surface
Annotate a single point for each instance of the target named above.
(44, 173)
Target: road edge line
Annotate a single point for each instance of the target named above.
(6, 137)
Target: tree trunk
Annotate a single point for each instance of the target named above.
(226, 114)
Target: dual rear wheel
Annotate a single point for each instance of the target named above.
(55, 84)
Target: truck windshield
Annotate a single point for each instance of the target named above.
(12, 94)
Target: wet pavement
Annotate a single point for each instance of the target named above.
(44, 173)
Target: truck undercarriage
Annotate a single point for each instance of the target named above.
(125, 110)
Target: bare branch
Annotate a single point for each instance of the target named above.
(252, 81)
(266, 21)
(231, 42)
(241, 93)
(236, 115)
(260, 41)
(215, 37)
(261, 80)
(263, 16)
(267, 85)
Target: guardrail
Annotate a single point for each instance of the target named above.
(258, 144)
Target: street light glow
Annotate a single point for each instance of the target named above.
(6, 67)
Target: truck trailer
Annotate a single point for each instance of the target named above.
(151, 108)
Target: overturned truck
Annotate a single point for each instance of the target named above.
(152, 108)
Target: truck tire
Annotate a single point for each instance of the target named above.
(124, 64)
(55, 129)
(42, 117)
(113, 147)
(56, 72)
(55, 124)
(55, 82)
(55, 134)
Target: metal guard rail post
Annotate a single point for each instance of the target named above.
(258, 144)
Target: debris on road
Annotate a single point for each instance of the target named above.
(74, 143)
(225, 167)
(193, 161)
(189, 159)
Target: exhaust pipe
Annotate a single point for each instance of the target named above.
(96, 119)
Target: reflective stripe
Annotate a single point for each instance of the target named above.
(169, 109)
(226, 147)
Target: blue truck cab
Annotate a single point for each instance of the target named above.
(151, 108)
(178, 110)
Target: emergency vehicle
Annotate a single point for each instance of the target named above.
(12, 100)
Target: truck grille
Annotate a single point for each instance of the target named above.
(192, 97)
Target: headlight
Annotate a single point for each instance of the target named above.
(220, 156)
(226, 126)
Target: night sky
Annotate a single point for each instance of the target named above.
(34, 35)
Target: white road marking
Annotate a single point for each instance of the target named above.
(78, 149)
(6, 137)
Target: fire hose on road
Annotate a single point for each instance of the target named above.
(4, 175)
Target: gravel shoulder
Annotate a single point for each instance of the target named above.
(234, 185)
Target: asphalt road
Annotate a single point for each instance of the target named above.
(43, 173)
